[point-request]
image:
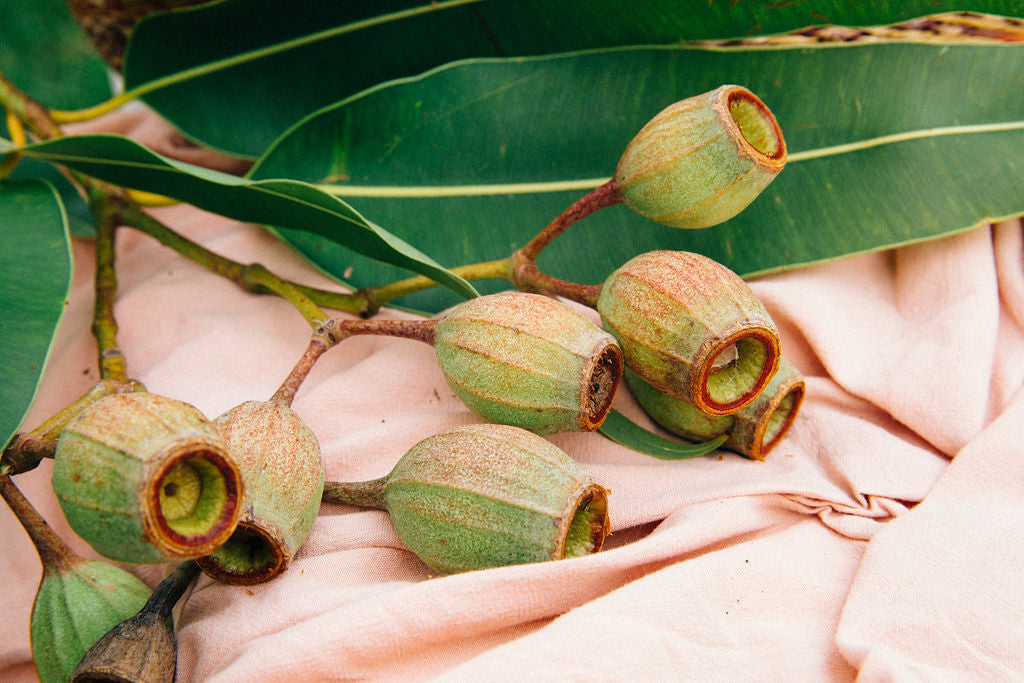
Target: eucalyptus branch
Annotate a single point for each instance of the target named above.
(27, 449)
(106, 207)
(18, 139)
(335, 330)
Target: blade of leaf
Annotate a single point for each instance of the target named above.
(302, 55)
(36, 266)
(625, 432)
(476, 157)
(60, 70)
(284, 203)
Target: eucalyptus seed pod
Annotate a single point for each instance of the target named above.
(702, 160)
(77, 601)
(140, 649)
(753, 431)
(145, 478)
(692, 328)
(529, 360)
(486, 495)
(279, 457)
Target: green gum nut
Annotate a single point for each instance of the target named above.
(77, 603)
(484, 496)
(753, 431)
(279, 457)
(692, 328)
(144, 478)
(529, 360)
(702, 160)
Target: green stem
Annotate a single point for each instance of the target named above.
(104, 325)
(376, 297)
(256, 275)
(366, 494)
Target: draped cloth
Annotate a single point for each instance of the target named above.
(882, 539)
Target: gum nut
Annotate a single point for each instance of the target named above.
(529, 360)
(145, 478)
(702, 160)
(279, 457)
(692, 328)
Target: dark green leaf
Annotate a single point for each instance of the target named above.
(252, 67)
(36, 267)
(283, 203)
(44, 52)
(625, 432)
(470, 158)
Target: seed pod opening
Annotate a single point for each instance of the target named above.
(279, 457)
(692, 328)
(702, 160)
(753, 431)
(145, 478)
(484, 496)
(529, 360)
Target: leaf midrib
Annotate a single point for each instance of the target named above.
(428, 191)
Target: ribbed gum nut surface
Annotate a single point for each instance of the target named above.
(491, 495)
(675, 313)
(145, 478)
(702, 160)
(529, 360)
(279, 457)
(74, 608)
(752, 431)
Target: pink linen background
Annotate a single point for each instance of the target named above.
(882, 539)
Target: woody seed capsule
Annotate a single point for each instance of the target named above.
(702, 160)
(753, 431)
(145, 478)
(529, 360)
(692, 328)
(486, 496)
(279, 457)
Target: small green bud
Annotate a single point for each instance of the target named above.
(76, 604)
(529, 360)
(702, 160)
(753, 431)
(487, 496)
(145, 478)
(692, 328)
(279, 457)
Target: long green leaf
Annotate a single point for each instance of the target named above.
(44, 52)
(252, 67)
(36, 263)
(889, 143)
(625, 432)
(282, 203)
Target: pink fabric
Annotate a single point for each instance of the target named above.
(881, 538)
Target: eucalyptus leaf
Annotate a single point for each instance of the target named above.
(283, 203)
(36, 266)
(44, 52)
(888, 143)
(625, 432)
(252, 67)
